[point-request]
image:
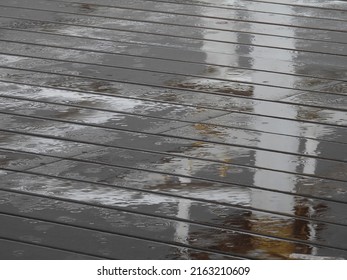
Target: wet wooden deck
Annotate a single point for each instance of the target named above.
(171, 129)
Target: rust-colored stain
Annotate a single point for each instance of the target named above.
(208, 129)
(213, 87)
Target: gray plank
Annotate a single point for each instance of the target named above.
(330, 100)
(217, 57)
(228, 42)
(103, 245)
(335, 5)
(115, 160)
(237, 85)
(227, 136)
(198, 70)
(173, 135)
(244, 16)
(15, 161)
(181, 7)
(110, 94)
(166, 229)
(17, 250)
(225, 156)
(209, 199)
(159, 122)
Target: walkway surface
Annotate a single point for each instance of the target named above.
(173, 129)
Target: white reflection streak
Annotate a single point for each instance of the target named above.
(311, 148)
(183, 208)
(182, 229)
(287, 203)
(259, 200)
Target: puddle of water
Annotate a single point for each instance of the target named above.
(181, 208)
(102, 102)
(286, 127)
(22, 161)
(42, 145)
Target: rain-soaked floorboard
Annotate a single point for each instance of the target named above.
(169, 129)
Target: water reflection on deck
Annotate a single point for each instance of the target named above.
(151, 129)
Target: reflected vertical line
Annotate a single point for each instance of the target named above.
(260, 177)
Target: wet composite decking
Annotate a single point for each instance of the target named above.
(171, 129)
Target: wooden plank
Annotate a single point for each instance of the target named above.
(166, 53)
(211, 152)
(179, 6)
(238, 138)
(198, 70)
(210, 131)
(336, 5)
(19, 250)
(243, 16)
(86, 241)
(158, 122)
(156, 32)
(14, 161)
(223, 86)
(53, 88)
(104, 166)
(197, 169)
(164, 229)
